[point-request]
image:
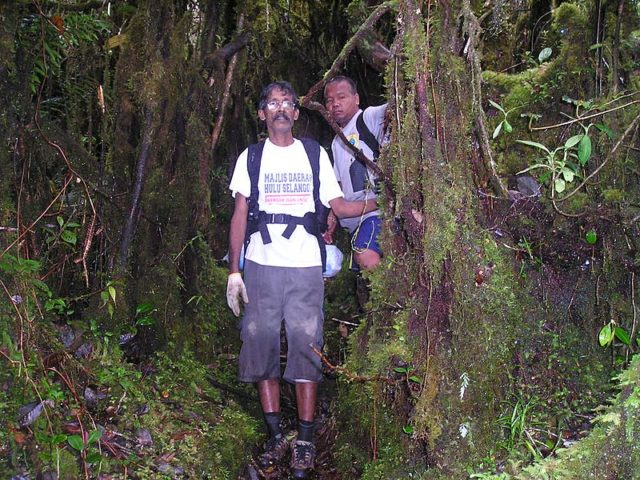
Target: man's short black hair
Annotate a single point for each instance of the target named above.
(279, 85)
(343, 78)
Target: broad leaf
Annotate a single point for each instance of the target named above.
(75, 441)
(568, 174)
(94, 436)
(591, 237)
(622, 335)
(507, 126)
(69, 237)
(584, 150)
(112, 293)
(605, 337)
(560, 185)
(573, 141)
(544, 54)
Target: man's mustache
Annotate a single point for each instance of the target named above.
(281, 116)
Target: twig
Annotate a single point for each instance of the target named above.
(609, 155)
(580, 119)
(347, 373)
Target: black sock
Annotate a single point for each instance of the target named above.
(305, 430)
(272, 420)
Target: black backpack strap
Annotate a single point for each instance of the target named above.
(365, 135)
(254, 159)
(313, 152)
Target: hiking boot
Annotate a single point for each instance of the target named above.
(302, 456)
(274, 451)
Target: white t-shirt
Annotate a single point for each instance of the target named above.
(357, 181)
(285, 185)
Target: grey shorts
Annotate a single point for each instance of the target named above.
(277, 294)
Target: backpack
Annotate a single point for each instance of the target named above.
(315, 223)
(367, 137)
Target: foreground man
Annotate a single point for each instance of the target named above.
(282, 268)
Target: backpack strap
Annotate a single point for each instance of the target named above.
(367, 137)
(313, 152)
(254, 159)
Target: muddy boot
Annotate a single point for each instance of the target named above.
(274, 451)
(303, 455)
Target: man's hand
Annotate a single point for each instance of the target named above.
(235, 289)
(331, 228)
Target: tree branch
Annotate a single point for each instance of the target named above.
(348, 48)
(130, 227)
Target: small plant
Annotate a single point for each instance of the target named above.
(519, 423)
(607, 338)
(504, 123)
(557, 162)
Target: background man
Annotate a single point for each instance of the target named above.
(284, 275)
(356, 180)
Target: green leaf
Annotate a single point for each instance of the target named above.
(400, 369)
(622, 335)
(603, 128)
(144, 308)
(58, 439)
(507, 126)
(605, 337)
(415, 379)
(591, 237)
(75, 441)
(496, 132)
(94, 436)
(110, 309)
(497, 106)
(60, 220)
(408, 429)
(112, 293)
(42, 286)
(544, 54)
(534, 144)
(69, 237)
(104, 295)
(560, 185)
(584, 150)
(568, 174)
(148, 320)
(573, 141)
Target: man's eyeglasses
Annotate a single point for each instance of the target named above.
(285, 104)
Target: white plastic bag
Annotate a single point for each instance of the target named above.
(334, 261)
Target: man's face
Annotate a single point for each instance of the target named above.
(279, 113)
(340, 102)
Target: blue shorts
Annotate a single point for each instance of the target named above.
(366, 236)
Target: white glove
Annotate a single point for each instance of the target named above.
(235, 289)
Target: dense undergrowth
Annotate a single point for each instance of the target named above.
(76, 401)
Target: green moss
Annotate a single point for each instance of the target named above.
(613, 195)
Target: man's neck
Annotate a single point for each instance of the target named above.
(350, 118)
(281, 139)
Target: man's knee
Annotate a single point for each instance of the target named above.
(367, 259)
